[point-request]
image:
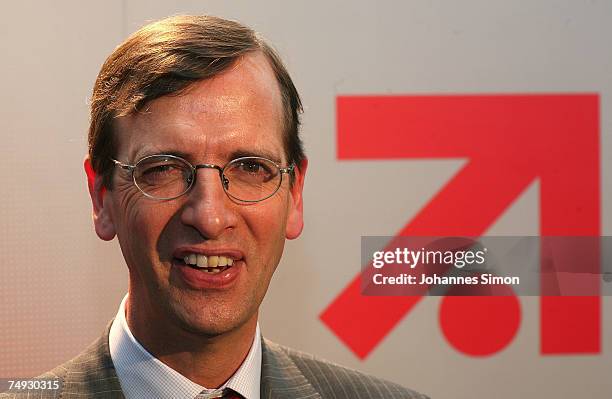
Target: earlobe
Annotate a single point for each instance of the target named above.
(102, 218)
(295, 220)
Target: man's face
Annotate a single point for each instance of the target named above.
(238, 112)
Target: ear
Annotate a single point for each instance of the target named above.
(103, 222)
(295, 220)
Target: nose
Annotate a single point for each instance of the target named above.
(208, 209)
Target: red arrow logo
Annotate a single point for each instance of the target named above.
(509, 141)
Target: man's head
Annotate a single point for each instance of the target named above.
(209, 91)
(165, 58)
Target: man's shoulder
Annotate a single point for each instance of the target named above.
(89, 374)
(336, 381)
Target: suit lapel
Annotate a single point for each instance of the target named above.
(280, 377)
(92, 373)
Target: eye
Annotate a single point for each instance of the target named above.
(252, 166)
(158, 169)
(258, 167)
(252, 170)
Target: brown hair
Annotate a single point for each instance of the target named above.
(165, 57)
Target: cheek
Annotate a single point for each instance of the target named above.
(140, 223)
(267, 222)
(128, 198)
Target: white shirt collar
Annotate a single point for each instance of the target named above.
(143, 376)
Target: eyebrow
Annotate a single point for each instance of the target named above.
(142, 153)
(248, 153)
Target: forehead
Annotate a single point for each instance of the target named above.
(237, 110)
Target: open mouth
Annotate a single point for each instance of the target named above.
(208, 264)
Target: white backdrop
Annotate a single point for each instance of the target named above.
(61, 284)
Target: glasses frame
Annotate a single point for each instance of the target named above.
(194, 173)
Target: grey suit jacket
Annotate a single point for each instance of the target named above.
(285, 374)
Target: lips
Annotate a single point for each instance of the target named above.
(202, 269)
(209, 264)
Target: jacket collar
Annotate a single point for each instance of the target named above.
(280, 376)
(92, 371)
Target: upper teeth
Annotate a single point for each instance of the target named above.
(200, 260)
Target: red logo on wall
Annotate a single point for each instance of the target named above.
(509, 142)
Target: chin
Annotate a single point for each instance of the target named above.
(211, 319)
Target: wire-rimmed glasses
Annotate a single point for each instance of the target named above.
(245, 179)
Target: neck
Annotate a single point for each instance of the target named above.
(206, 360)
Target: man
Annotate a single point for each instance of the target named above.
(196, 166)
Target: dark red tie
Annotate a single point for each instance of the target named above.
(231, 394)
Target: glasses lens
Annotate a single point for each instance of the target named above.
(252, 179)
(162, 176)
